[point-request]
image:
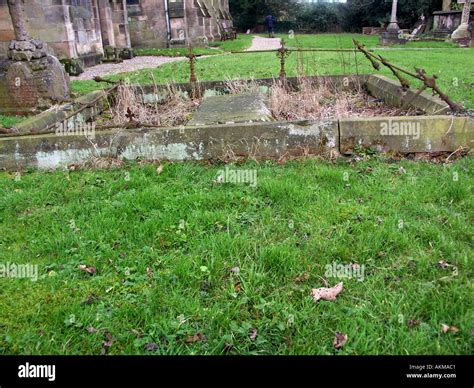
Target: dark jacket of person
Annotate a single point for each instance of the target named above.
(270, 21)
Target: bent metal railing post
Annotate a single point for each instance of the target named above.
(420, 74)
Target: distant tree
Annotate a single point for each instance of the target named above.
(248, 13)
(361, 13)
(327, 17)
(320, 17)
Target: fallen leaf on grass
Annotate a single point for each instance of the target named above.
(327, 293)
(237, 287)
(91, 299)
(412, 323)
(159, 170)
(302, 278)
(108, 343)
(253, 334)
(89, 269)
(443, 264)
(340, 340)
(151, 347)
(195, 338)
(446, 328)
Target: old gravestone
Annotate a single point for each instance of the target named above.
(31, 78)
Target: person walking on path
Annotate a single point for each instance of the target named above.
(270, 21)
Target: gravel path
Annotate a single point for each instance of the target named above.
(134, 64)
(259, 43)
(148, 62)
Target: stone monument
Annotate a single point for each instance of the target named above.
(31, 79)
(463, 33)
(393, 34)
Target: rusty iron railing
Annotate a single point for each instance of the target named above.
(420, 74)
(283, 52)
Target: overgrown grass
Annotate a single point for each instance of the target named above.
(163, 246)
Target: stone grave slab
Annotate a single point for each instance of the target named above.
(232, 109)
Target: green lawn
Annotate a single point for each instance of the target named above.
(453, 66)
(345, 41)
(244, 42)
(163, 246)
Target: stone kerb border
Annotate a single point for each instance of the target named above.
(270, 140)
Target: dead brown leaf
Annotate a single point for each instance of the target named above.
(340, 340)
(89, 269)
(446, 328)
(302, 278)
(237, 287)
(454, 329)
(443, 264)
(327, 293)
(195, 338)
(108, 343)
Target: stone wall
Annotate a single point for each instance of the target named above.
(82, 28)
(71, 28)
(114, 23)
(196, 21)
(71, 31)
(147, 23)
(191, 21)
